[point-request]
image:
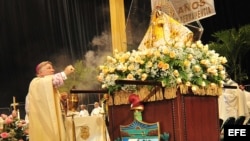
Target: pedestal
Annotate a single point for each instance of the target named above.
(186, 118)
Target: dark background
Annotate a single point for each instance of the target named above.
(63, 31)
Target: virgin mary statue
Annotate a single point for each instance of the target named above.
(164, 30)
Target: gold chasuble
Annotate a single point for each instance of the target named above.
(45, 116)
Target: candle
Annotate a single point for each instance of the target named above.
(14, 103)
(1, 123)
(18, 114)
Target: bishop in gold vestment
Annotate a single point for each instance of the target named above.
(44, 107)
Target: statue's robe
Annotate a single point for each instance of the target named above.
(165, 30)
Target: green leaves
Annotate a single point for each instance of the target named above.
(234, 45)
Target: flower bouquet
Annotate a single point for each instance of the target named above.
(12, 128)
(173, 65)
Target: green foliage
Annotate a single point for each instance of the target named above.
(234, 45)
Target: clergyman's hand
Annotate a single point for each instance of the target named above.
(69, 69)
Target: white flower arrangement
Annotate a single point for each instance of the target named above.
(174, 64)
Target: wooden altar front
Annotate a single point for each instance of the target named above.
(186, 118)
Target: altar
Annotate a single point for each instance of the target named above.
(187, 117)
(184, 117)
(91, 128)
